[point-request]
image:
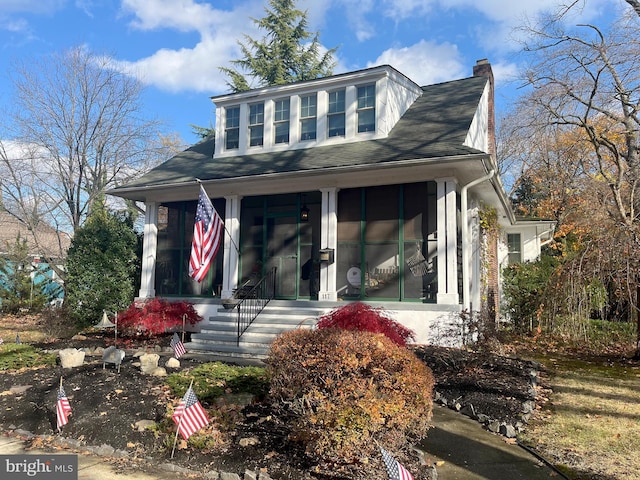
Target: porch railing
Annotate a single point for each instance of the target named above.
(254, 299)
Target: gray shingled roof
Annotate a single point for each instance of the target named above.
(436, 125)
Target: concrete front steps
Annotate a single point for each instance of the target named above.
(218, 336)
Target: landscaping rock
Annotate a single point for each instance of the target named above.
(508, 431)
(229, 476)
(71, 357)
(142, 425)
(19, 389)
(149, 362)
(159, 372)
(172, 363)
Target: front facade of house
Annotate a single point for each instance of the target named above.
(362, 186)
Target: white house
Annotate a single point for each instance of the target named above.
(362, 186)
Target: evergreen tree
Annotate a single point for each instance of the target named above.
(526, 197)
(18, 290)
(102, 266)
(287, 53)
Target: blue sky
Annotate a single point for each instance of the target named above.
(177, 46)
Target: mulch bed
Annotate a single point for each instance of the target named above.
(107, 404)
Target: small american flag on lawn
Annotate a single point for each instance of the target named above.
(178, 346)
(189, 415)
(394, 468)
(63, 409)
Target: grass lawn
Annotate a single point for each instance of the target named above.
(591, 423)
(28, 327)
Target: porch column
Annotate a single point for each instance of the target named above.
(329, 239)
(149, 247)
(231, 245)
(447, 241)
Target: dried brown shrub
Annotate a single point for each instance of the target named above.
(349, 389)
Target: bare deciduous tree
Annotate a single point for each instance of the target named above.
(589, 78)
(79, 129)
(585, 79)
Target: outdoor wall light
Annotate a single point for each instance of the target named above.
(304, 211)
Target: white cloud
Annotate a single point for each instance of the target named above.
(14, 25)
(183, 15)
(425, 62)
(509, 12)
(196, 68)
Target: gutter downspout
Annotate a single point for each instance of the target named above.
(466, 302)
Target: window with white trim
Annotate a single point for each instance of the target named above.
(281, 120)
(336, 114)
(308, 114)
(256, 124)
(514, 247)
(232, 128)
(366, 109)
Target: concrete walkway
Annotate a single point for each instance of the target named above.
(466, 451)
(90, 467)
(462, 448)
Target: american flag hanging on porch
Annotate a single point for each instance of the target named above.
(207, 234)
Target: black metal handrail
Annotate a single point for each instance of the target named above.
(253, 300)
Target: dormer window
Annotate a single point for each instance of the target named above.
(335, 114)
(232, 128)
(281, 120)
(366, 110)
(308, 114)
(256, 124)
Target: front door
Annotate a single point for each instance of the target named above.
(282, 253)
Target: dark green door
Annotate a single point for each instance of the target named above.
(282, 253)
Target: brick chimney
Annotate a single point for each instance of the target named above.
(482, 68)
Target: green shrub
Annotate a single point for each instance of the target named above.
(525, 286)
(348, 389)
(102, 267)
(365, 318)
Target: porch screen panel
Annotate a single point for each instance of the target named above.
(251, 239)
(387, 242)
(169, 250)
(382, 254)
(349, 255)
(175, 232)
(420, 241)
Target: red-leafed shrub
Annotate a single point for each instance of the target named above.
(346, 390)
(365, 318)
(155, 317)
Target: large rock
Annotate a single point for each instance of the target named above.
(149, 362)
(71, 357)
(172, 363)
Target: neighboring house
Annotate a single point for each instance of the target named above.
(51, 244)
(362, 186)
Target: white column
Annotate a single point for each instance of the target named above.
(149, 248)
(447, 242)
(231, 245)
(329, 239)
